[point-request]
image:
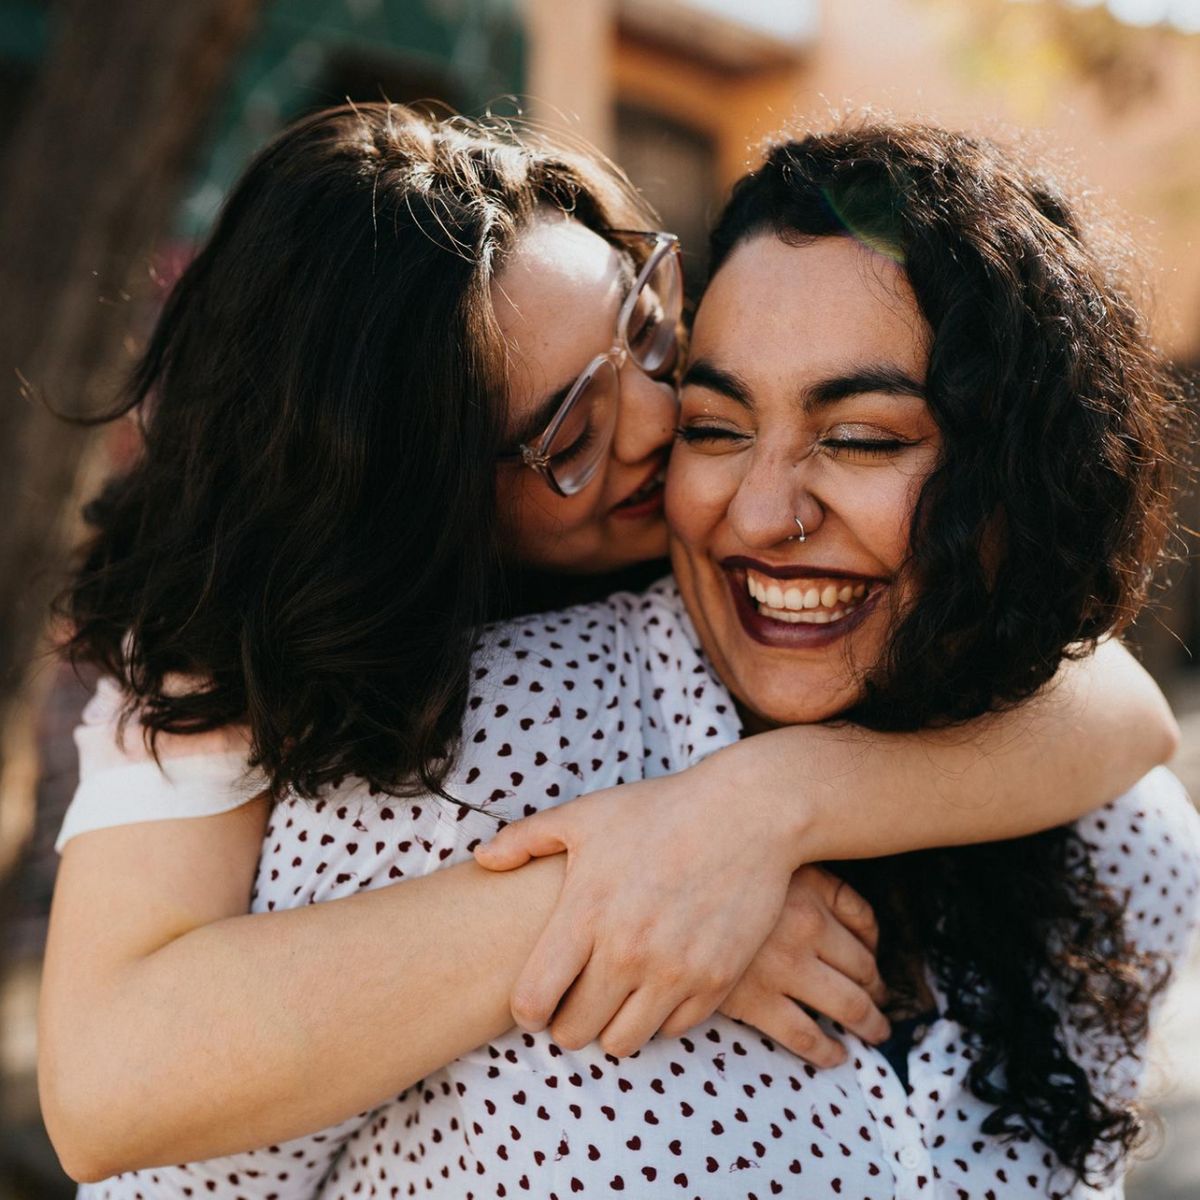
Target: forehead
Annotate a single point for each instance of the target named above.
(803, 310)
(559, 272)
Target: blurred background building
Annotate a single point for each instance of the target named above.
(682, 93)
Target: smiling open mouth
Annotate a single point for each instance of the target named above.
(798, 607)
(652, 485)
(648, 497)
(807, 601)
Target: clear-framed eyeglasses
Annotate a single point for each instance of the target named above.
(572, 447)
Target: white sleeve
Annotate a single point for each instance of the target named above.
(1145, 846)
(120, 781)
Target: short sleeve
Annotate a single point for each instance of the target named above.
(121, 783)
(1145, 846)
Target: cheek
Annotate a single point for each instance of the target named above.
(877, 507)
(698, 492)
(541, 529)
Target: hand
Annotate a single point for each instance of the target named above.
(821, 954)
(671, 887)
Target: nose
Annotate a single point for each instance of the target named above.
(772, 501)
(646, 416)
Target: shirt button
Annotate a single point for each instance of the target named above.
(910, 1158)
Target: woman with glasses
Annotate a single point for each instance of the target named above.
(418, 371)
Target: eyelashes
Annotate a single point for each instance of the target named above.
(862, 448)
(706, 433)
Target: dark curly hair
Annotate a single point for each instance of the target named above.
(310, 531)
(1035, 536)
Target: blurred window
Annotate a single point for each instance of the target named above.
(354, 75)
(675, 166)
(795, 22)
(24, 31)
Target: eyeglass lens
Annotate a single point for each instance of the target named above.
(653, 330)
(581, 442)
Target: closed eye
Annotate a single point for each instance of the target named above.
(708, 433)
(863, 447)
(561, 458)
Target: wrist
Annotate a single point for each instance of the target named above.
(784, 805)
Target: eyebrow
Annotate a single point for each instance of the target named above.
(877, 377)
(705, 374)
(880, 377)
(535, 424)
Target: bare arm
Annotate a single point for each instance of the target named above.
(156, 978)
(1083, 741)
(805, 794)
(174, 1029)
(177, 1027)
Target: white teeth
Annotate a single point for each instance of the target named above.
(651, 485)
(817, 604)
(805, 618)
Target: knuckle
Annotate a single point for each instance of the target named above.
(703, 976)
(868, 925)
(827, 1056)
(848, 903)
(803, 1041)
(673, 975)
(528, 1008)
(806, 921)
(633, 962)
(618, 1046)
(871, 981)
(566, 1037)
(674, 1025)
(633, 955)
(856, 1009)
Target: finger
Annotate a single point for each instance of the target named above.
(690, 1013)
(831, 994)
(787, 1023)
(558, 957)
(841, 950)
(852, 911)
(534, 837)
(589, 1005)
(635, 1022)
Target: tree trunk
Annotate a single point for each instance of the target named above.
(90, 178)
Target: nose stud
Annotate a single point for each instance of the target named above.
(801, 536)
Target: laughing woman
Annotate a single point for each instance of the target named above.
(330, 556)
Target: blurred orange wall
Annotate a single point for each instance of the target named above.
(909, 57)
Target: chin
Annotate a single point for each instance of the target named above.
(648, 545)
(787, 710)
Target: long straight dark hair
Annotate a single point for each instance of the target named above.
(309, 535)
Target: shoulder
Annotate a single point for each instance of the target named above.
(554, 701)
(604, 693)
(685, 698)
(1145, 845)
(123, 781)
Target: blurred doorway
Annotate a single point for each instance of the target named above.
(675, 166)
